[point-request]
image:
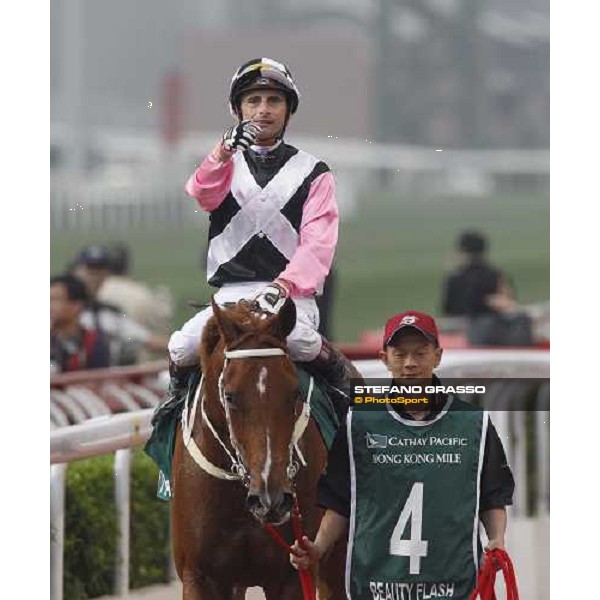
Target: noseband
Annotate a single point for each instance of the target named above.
(238, 471)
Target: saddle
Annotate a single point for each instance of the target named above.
(161, 445)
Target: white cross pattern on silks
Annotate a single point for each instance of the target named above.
(260, 210)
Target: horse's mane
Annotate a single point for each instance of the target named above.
(246, 319)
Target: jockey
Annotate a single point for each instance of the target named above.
(273, 223)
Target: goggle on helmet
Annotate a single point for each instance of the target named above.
(262, 73)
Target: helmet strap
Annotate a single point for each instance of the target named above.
(285, 123)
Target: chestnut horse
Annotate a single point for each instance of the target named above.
(243, 449)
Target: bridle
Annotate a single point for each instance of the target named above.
(238, 470)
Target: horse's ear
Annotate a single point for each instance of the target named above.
(229, 328)
(285, 320)
(210, 338)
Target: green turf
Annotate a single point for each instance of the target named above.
(391, 255)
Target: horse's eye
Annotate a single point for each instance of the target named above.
(229, 397)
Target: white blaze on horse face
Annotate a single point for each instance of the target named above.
(267, 466)
(262, 388)
(262, 377)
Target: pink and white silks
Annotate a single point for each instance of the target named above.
(303, 276)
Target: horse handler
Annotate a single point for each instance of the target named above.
(410, 485)
(273, 223)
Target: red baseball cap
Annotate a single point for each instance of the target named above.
(411, 318)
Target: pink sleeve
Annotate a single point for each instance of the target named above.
(211, 181)
(311, 262)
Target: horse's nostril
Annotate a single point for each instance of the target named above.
(261, 505)
(253, 502)
(286, 503)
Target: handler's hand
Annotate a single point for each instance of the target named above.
(493, 544)
(304, 558)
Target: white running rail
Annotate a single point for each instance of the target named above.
(120, 433)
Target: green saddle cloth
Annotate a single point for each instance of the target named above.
(161, 445)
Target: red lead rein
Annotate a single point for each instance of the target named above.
(487, 576)
(304, 574)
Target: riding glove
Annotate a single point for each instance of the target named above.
(240, 136)
(271, 299)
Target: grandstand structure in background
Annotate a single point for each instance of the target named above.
(440, 73)
(406, 97)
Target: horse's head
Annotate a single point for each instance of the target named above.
(259, 391)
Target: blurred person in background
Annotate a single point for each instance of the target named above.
(273, 223)
(485, 296)
(73, 346)
(128, 338)
(151, 308)
(92, 266)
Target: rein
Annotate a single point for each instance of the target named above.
(494, 561)
(303, 574)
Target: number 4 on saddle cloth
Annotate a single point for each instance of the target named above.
(161, 445)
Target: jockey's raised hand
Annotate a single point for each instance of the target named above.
(271, 299)
(240, 136)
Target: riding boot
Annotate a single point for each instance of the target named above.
(338, 372)
(178, 386)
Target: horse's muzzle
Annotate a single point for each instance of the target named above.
(270, 508)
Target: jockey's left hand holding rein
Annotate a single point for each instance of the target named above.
(272, 298)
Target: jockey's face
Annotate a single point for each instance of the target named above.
(268, 109)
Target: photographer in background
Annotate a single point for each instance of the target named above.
(485, 296)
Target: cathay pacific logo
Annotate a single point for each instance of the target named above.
(376, 440)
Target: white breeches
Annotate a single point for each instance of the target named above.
(304, 342)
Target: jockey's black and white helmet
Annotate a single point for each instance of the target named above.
(262, 73)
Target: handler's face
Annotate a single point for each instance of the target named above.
(266, 108)
(411, 355)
